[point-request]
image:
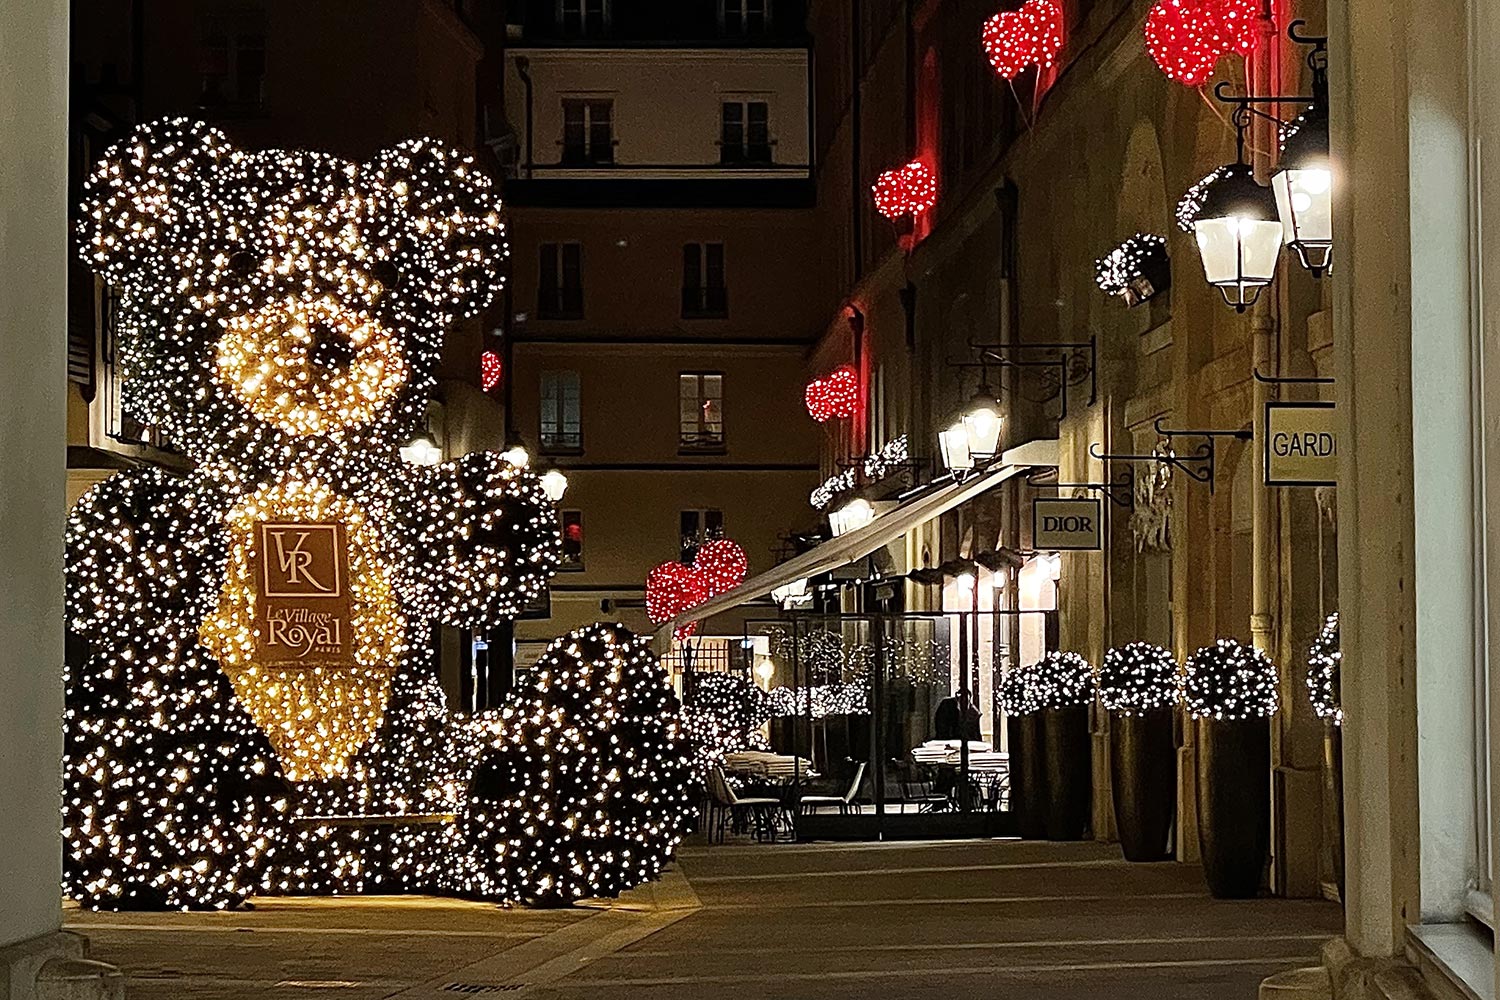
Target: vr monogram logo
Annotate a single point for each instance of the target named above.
(304, 607)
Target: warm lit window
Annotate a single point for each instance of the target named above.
(703, 293)
(561, 422)
(701, 406)
(560, 283)
(697, 527)
(588, 131)
(584, 18)
(744, 17)
(571, 526)
(745, 133)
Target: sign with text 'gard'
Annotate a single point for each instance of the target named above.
(1066, 523)
(304, 606)
(1301, 442)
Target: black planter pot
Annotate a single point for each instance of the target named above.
(1333, 779)
(1234, 804)
(1070, 772)
(1143, 776)
(1028, 775)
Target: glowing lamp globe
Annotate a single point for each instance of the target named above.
(982, 423)
(954, 444)
(1303, 185)
(517, 455)
(554, 484)
(1239, 235)
(851, 517)
(422, 450)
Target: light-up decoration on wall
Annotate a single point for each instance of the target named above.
(1136, 270)
(672, 588)
(909, 190)
(1187, 38)
(836, 396)
(491, 370)
(1029, 36)
(1324, 662)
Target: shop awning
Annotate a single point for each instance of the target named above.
(880, 532)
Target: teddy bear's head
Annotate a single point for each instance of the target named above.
(273, 301)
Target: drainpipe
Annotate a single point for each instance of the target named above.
(523, 69)
(1264, 336)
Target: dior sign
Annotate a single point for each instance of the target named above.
(1066, 523)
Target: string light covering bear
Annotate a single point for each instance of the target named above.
(581, 787)
(252, 639)
(1138, 678)
(1230, 681)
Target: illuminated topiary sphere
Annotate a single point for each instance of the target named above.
(1063, 680)
(1137, 678)
(580, 788)
(723, 713)
(1230, 681)
(1020, 691)
(1324, 661)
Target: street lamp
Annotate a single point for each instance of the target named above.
(516, 452)
(1303, 183)
(982, 423)
(554, 484)
(422, 449)
(1238, 233)
(791, 594)
(954, 444)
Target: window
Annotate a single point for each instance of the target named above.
(700, 398)
(562, 427)
(703, 293)
(232, 67)
(571, 525)
(588, 131)
(744, 17)
(560, 285)
(697, 527)
(584, 18)
(745, 134)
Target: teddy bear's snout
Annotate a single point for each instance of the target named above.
(310, 365)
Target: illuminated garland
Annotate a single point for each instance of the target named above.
(1230, 681)
(1136, 269)
(1062, 680)
(823, 495)
(1324, 661)
(892, 456)
(1138, 678)
(820, 700)
(1194, 198)
(281, 320)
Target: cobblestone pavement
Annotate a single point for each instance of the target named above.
(945, 921)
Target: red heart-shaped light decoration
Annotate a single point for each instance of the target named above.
(721, 566)
(1030, 36)
(908, 190)
(491, 369)
(1187, 38)
(673, 588)
(834, 396)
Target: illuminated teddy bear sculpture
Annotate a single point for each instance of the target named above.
(251, 640)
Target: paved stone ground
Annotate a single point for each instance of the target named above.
(940, 921)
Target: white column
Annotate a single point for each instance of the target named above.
(1372, 350)
(33, 388)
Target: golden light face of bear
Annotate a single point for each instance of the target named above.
(310, 366)
(317, 710)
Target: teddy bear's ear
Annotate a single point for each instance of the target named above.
(440, 224)
(141, 197)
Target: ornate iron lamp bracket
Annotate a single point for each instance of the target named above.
(1199, 465)
(1000, 355)
(1245, 104)
(1120, 491)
